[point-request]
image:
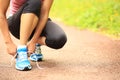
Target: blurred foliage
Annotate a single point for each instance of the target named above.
(97, 15)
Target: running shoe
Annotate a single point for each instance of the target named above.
(37, 55)
(22, 62)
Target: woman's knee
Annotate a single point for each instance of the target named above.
(57, 42)
(35, 3)
(33, 6)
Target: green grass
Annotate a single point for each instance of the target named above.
(97, 15)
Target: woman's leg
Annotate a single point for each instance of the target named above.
(29, 20)
(53, 36)
(28, 23)
(23, 22)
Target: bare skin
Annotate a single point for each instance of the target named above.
(25, 28)
(11, 47)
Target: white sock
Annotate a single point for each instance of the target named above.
(21, 46)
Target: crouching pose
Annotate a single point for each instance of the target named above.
(28, 21)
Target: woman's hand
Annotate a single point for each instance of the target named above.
(11, 48)
(31, 47)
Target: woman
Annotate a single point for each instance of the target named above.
(28, 21)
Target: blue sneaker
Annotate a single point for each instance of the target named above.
(36, 56)
(22, 62)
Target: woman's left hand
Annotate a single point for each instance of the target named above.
(31, 47)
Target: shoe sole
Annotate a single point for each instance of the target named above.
(39, 60)
(25, 69)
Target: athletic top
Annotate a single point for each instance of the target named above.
(15, 5)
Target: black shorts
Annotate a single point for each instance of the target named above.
(55, 36)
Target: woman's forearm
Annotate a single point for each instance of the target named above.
(3, 22)
(4, 29)
(39, 28)
(45, 8)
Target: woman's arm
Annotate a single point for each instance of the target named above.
(3, 21)
(11, 47)
(45, 8)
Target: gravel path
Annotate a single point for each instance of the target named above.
(86, 56)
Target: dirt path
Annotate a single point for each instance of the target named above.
(86, 56)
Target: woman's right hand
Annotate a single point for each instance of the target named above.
(11, 48)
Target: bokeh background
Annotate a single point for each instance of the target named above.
(101, 16)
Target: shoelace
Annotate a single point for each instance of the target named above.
(11, 63)
(38, 66)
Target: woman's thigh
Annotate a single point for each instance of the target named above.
(55, 36)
